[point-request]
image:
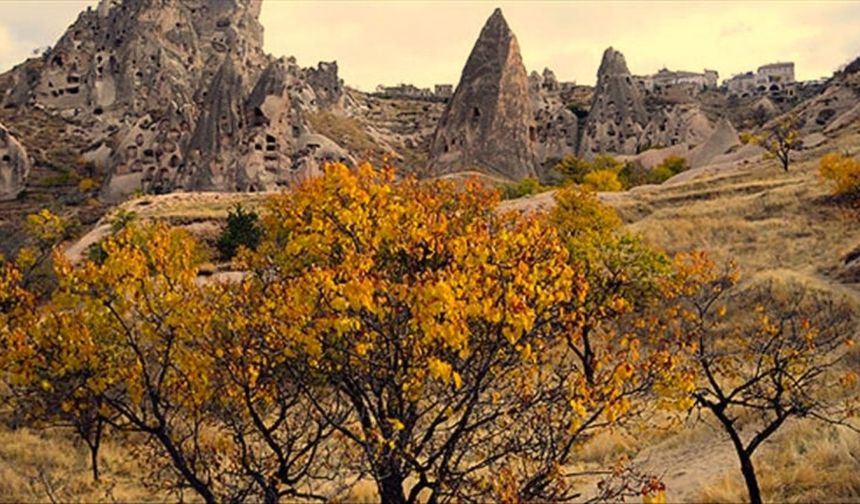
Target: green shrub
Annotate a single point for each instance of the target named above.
(524, 187)
(670, 167)
(575, 169)
(633, 174)
(242, 230)
(121, 219)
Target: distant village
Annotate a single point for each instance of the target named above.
(775, 80)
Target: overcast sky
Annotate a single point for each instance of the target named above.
(425, 43)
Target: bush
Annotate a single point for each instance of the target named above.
(578, 212)
(842, 173)
(524, 187)
(242, 230)
(87, 185)
(675, 164)
(575, 169)
(603, 180)
(633, 174)
(670, 167)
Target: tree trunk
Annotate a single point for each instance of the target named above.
(94, 459)
(750, 478)
(391, 489)
(744, 456)
(93, 444)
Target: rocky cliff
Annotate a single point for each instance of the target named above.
(14, 165)
(488, 124)
(178, 95)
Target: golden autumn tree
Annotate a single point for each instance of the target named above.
(783, 358)
(842, 173)
(399, 330)
(627, 343)
(132, 341)
(34, 400)
(779, 139)
(432, 332)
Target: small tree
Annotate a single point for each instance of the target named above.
(633, 174)
(575, 169)
(242, 230)
(779, 362)
(524, 187)
(780, 140)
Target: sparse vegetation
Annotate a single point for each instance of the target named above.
(524, 187)
(606, 173)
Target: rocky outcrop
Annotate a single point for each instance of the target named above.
(837, 106)
(675, 125)
(557, 125)
(617, 116)
(488, 124)
(182, 94)
(724, 139)
(14, 165)
(625, 119)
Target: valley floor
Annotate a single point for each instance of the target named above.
(775, 224)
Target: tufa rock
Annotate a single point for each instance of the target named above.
(14, 166)
(617, 116)
(181, 92)
(488, 124)
(723, 140)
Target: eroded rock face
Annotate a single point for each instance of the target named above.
(488, 124)
(14, 165)
(675, 125)
(837, 106)
(181, 92)
(620, 120)
(617, 116)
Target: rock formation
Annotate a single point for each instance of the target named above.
(617, 116)
(488, 123)
(625, 119)
(181, 93)
(837, 106)
(14, 166)
(724, 139)
(675, 125)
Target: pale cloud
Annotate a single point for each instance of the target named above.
(427, 42)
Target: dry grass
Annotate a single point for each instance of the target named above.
(764, 218)
(46, 466)
(803, 463)
(348, 132)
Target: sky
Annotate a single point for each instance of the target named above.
(427, 42)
